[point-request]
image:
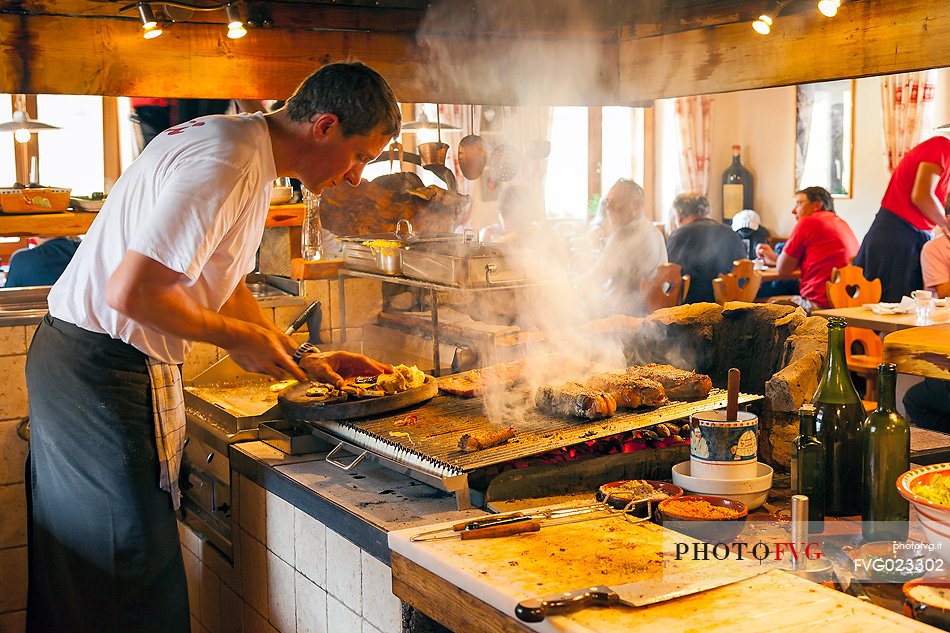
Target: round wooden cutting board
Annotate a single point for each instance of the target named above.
(297, 406)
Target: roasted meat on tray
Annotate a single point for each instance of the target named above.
(630, 391)
(575, 399)
(678, 383)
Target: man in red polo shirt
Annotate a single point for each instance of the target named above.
(819, 242)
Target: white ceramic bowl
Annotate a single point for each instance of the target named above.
(281, 195)
(934, 517)
(752, 492)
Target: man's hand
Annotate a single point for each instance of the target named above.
(766, 252)
(264, 351)
(334, 367)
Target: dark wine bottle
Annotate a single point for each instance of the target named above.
(736, 187)
(839, 424)
(885, 514)
(810, 468)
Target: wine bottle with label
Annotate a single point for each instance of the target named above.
(886, 458)
(736, 187)
(839, 424)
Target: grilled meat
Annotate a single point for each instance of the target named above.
(575, 399)
(630, 391)
(678, 383)
(476, 382)
(471, 443)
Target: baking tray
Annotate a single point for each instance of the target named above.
(466, 265)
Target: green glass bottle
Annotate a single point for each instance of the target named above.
(886, 457)
(810, 471)
(839, 421)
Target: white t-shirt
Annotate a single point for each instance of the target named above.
(195, 201)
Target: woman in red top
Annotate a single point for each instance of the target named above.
(910, 208)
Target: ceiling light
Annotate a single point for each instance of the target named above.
(763, 25)
(236, 28)
(148, 18)
(829, 8)
(23, 126)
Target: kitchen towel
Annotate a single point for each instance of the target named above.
(168, 407)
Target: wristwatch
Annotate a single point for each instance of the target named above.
(306, 348)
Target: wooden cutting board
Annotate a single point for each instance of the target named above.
(297, 406)
(500, 572)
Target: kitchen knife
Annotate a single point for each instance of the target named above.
(637, 594)
(844, 569)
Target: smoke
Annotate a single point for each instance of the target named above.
(487, 49)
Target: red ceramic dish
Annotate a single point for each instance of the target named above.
(710, 530)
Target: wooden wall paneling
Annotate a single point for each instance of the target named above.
(866, 38)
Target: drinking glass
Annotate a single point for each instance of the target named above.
(311, 238)
(925, 301)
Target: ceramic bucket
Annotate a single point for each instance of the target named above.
(723, 450)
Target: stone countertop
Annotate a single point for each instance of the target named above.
(365, 504)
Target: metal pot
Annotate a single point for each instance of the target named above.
(433, 154)
(472, 153)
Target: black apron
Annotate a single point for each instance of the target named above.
(891, 252)
(104, 551)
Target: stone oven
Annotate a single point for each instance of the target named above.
(778, 349)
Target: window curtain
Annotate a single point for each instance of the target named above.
(908, 103)
(692, 122)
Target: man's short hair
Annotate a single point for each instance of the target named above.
(819, 194)
(354, 92)
(691, 204)
(635, 189)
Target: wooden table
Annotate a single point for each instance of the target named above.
(864, 317)
(770, 273)
(469, 585)
(921, 351)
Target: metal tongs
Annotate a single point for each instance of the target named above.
(512, 523)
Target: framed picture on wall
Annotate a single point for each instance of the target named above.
(824, 136)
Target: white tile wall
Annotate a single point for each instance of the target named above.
(340, 619)
(311, 555)
(280, 527)
(344, 565)
(254, 572)
(380, 606)
(300, 578)
(281, 594)
(311, 606)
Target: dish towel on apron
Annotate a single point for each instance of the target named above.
(168, 407)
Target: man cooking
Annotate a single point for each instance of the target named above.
(819, 242)
(633, 250)
(161, 267)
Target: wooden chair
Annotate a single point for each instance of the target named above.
(848, 288)
(740, 284)
(666, 288)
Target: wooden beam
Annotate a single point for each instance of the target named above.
(595, 151)
(866, 38)
(46, 224)
(108, 56)
(111, 152)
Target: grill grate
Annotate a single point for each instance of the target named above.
(432, 438)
